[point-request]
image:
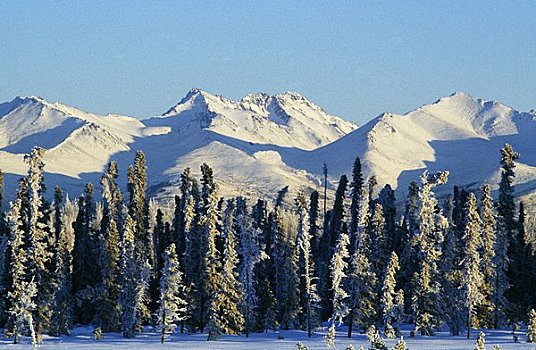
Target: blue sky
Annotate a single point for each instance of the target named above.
(356, 59)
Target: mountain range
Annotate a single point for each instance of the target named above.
(262, 143)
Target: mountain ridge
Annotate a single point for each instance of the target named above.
(263, 142)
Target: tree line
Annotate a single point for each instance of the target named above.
(231, 266)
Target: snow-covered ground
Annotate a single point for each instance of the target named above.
(81, 338)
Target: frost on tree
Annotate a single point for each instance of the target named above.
(426, 303)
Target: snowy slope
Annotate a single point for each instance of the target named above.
(240, 140)
(458, 133)
(262, 143)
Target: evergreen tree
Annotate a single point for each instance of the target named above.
(531, 327)
(286, 276)
(107, 310)
(388, 295)
(357, 188)
(85, 276)
(328, 242)
(212, 274)
(307, 286)
(20, 293)
(379, 248)
(172, 305)
(139, 212)
(508, 241)
(426, 285)
(251, 255)
(128, 299)
(362, 279)
(488, 216)
(63, 316)
(37, 250)
(225, 304)
(472, 272)
(480, 343)
(339, 265)
(387, 200)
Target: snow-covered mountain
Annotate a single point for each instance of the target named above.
(263, 143)
(240, 140)
(459, 133)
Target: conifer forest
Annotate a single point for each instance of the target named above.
(361, 261)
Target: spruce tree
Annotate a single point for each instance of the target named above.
(328, 242)
(387, 200)
(471, 263)
(85, 276)
(37, 244)
(20, 293)
(307, 287)
(172, 306)
(251, 256)
(128, 299)
(339, 265)
(362, 279)
(225, 308)
(139, 212)
(212, 274)
(531, 327)
(388, 296)
(489, 226)
(507, 239)
(63, 315)
(426, 284)
(355, 195)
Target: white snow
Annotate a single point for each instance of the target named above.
(262, 143)
(81, 338)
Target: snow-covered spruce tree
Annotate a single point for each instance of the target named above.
(19, 313)
(426, 303)
(212, 275)
(328, 242)
(375, 339)
(129, 272)
(407, 255)
(526, 273)
(307, 287)
(388, 297)
(22, 311)
(251, 255)
(85, 276)
(508, 263)
(356, 190)
(489, 226)
(531, 327)
(362, 280)
(63, 312)
(4, 263)
(225, 308)
(139, 211)
(339, 266)
(286, 276)
(372, 183)
(453, 280)
(379, 248)
(480, 343)
(330, 337)
(37, 246)
(314, 229)
(400, 344)
(107, 310)
(471, 264)
(172, 306)
(387, 200)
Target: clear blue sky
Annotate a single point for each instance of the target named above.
(354, 58)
